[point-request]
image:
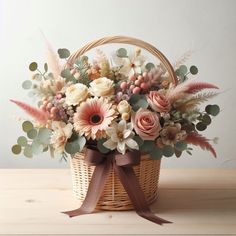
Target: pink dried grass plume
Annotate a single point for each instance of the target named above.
(188, 87)
(39, 115)
(199, 140)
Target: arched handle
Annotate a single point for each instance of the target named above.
(126, 40)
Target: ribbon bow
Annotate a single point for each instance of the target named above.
(122, 165)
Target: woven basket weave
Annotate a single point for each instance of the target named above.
(114, 196)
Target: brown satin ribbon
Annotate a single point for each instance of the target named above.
(122, 165)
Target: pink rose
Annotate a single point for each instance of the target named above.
(146, 124)
(158, 102)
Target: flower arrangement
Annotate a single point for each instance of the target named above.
(114, 104)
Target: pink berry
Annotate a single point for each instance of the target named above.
(136, 90)
(144, 86)
(137, 82)
(132, 78)
(140, 77)
(144, 74)
(123, 85)
(132, 87)
(54, 110)
(45, 103)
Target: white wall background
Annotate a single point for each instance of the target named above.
(207, 27)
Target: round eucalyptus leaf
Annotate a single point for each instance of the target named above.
(122, 52)
(183, 70)
(27, 126)
(22, 141)
(208, 109)
(63, 53)
(177, 72)
(201, 126)
(27, 84)
(32, 133)
(142, 103)
(37, 148)
(214, 110)
(149, 66)
(147, 146)
(156, 154)
(100, 146)
(16, 149)
(66, 74)
(193, 70)
(28, 151)
(168, 151)
(206, 119)
(134, 98)
(33, 66)
(181, 146)
(44, 135)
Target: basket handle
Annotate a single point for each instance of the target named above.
(126, 40)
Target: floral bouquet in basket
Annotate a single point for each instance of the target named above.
(119, 104)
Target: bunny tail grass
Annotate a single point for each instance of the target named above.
(38, 114)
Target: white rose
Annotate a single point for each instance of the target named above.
(76, 93)
(123, 107)
(102, 87)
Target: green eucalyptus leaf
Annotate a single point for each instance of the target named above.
(138, 140)
(75, 146)
(44, 135)
(206, 119)
(213, 110)
(168, 151)
(149, 66)
(33, 66)
(16, 149)
(156, 154)
(28, 151)
(37, 147)
(134, 98)
(63, 53)
(193, 70)
(147, 146)
(100, 146)
(32, 133)
(66, 74)
(122, 52)
(22, 141)
(201, 126)
(45, 67)
(183, 70)
(142, 103)
(181, 146)
(27, 126)
(27, 84)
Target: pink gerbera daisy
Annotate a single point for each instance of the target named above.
(93, 117)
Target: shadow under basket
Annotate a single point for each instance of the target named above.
(114, 197)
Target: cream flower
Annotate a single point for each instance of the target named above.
(76, 93)
(130, 65)
(123, 107)
(121, 137)
(61, 133)
(102, 87)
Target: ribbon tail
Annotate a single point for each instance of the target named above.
(136, 195)
(94, 192)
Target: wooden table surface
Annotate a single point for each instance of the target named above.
(198, 201)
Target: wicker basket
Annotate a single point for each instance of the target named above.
(114, 196)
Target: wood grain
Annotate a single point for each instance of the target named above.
(197, 201)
